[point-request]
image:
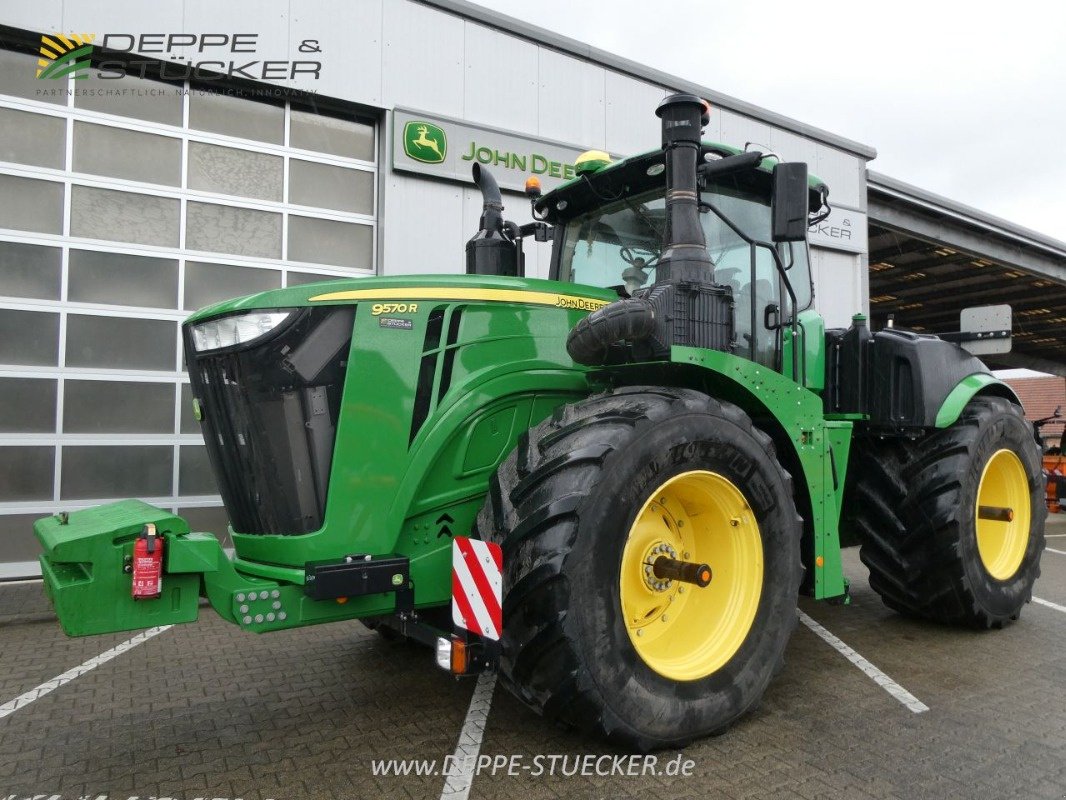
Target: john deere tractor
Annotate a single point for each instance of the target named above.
(663, 440)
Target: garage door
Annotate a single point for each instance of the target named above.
(125, 205)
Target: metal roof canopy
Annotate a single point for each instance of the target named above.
(930, 257)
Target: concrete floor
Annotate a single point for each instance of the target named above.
(204, 710)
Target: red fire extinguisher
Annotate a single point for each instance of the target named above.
(148, 564)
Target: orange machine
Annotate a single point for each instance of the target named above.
(1055, 473)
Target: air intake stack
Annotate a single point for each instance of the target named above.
(684, 306)
(684, 245)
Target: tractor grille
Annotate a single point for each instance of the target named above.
(432, 351)
(270, 413)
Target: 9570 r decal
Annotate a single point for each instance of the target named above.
(393, 308)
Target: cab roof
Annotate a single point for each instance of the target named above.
(643, 173)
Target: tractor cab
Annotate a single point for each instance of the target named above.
(710, 241)
(610, 225)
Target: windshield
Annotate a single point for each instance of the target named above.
(607, 246)
(619, 244)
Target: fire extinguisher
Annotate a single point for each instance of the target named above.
(148, 564)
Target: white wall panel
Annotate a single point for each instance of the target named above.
(500, 80)
(712, 132)
(838, 286)
(738, 130)
(349, 34)
(632, 126)
(572, 100)
(45, 16)
(422, 228)
(794, 148)
(422, 61)
(271, 23)
(101, 18)
(845, 175)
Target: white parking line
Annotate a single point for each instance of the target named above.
(457, 784)
(22, 700)
(1049, 604)
(876, 675)
(1053, 550)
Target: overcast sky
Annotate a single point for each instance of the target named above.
(963, 99)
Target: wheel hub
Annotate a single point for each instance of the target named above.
(1002, 515)
(683, 624)
(654, 583)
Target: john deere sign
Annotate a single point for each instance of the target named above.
(447, 148)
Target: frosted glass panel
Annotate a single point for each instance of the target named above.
(124, 217)
(29, 337)
(118, 407)
(209, 283)
(27, 204)
(30, 270)
(226, 170)
(341, 137)
(134, 156)
(324, 241)
(235, 116)
(28, 405)
(18, 78)
(300, 278)
(26, 473)
(17, 541)
(326, 186)
(122, 279)
(194, 472)
(225, 229)
(36, 139)
(139, 98)
(121, 343)
(105, 472)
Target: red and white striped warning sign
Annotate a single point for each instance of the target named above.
(477, 586)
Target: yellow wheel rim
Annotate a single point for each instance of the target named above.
(1002, 542)
(680, 630)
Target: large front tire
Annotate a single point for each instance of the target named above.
(588, 499)
(916, 509)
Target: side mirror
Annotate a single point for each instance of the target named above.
(789, 205)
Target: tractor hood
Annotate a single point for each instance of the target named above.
(417, 288)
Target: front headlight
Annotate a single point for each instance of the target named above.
(235, 329)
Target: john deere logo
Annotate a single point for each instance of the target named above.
(63, 55)
(424, 142)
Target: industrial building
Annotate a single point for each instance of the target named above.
(188, 161)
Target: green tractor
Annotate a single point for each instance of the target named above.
(639, 463)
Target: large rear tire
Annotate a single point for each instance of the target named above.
(587, 500)
(915, 509)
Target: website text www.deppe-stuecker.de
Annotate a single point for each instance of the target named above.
(566, 765)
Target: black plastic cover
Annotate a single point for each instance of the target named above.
(356, 576)
(687, 313)
(270, 411)
(898, 377)
(911, 376)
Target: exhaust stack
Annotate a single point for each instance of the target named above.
(490, 251)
